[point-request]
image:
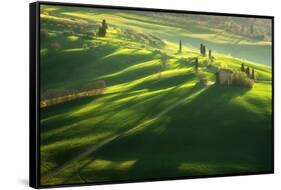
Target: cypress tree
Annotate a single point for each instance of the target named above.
(102, 29)
(204, 50)
(180, 46)
(210, 54)
(248, 71)
(104, 26)
(242, 67)
(253, 74)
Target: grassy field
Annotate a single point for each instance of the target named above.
(152, 119)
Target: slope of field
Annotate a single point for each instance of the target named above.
(153, 119)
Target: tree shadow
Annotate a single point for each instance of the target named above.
(207, 136)
(153, 108)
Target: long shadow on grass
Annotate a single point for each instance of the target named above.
(70, 119)
(210, 135)
(65, 121)
(61, 108)
(165, 82)
(156, 111)
(153, 109)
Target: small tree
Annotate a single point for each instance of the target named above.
(180, 46)
(242, 67)
(196, 64)
(253, 74)
(102, 29)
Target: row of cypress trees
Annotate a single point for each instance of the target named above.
(248, 72)
(203, 51)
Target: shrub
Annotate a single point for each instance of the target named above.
(241, 79)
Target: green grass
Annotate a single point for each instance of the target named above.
(153, 120)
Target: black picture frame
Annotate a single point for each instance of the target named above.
(34, 86)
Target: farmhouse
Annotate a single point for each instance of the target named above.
(223, 77)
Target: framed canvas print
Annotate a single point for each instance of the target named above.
(120, 94)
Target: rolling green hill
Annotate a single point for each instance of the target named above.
(155, 118)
